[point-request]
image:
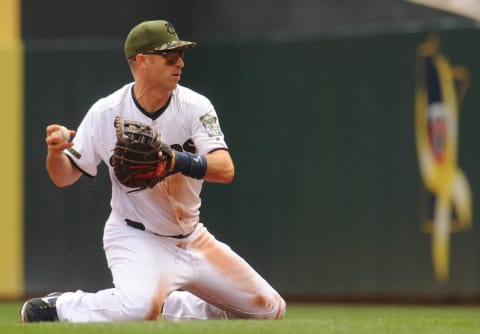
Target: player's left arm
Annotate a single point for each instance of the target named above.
(220, 167)
(216, 166)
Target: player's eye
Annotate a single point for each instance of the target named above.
(171, 56)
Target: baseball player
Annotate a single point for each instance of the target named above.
(163, 260)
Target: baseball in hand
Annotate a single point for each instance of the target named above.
(63, 133)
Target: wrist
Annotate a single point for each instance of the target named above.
(189, 164)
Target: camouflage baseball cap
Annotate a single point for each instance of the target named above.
(155, 35)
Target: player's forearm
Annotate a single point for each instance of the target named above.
(60, 169)
(220, 167)
(214, 167)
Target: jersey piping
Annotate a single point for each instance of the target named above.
(153, 115)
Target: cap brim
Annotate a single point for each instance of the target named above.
(176, 45)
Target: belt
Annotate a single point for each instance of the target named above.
(140, 226)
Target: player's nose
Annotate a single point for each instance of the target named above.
(180, 63)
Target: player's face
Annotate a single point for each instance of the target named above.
(165, 67)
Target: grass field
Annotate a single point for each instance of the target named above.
(354, 319)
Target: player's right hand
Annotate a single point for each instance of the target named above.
(54, 140)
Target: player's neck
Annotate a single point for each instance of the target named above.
(151, 100)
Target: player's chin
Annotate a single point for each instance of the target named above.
(173, 84)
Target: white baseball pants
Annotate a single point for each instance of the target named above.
(147, 271)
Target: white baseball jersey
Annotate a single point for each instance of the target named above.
(191, 277)
(172, 206)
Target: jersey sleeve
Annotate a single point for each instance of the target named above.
(84, 151)
(207, 133)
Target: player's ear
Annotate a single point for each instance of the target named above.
(140, 60)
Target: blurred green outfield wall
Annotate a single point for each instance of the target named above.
(327, 199)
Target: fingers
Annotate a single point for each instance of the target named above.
(172, 160)
(54, 127)
(55, 141)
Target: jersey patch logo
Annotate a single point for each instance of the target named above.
(210, 123)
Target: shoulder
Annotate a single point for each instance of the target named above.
(114, 100)
(191, 98)
(104, 110)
